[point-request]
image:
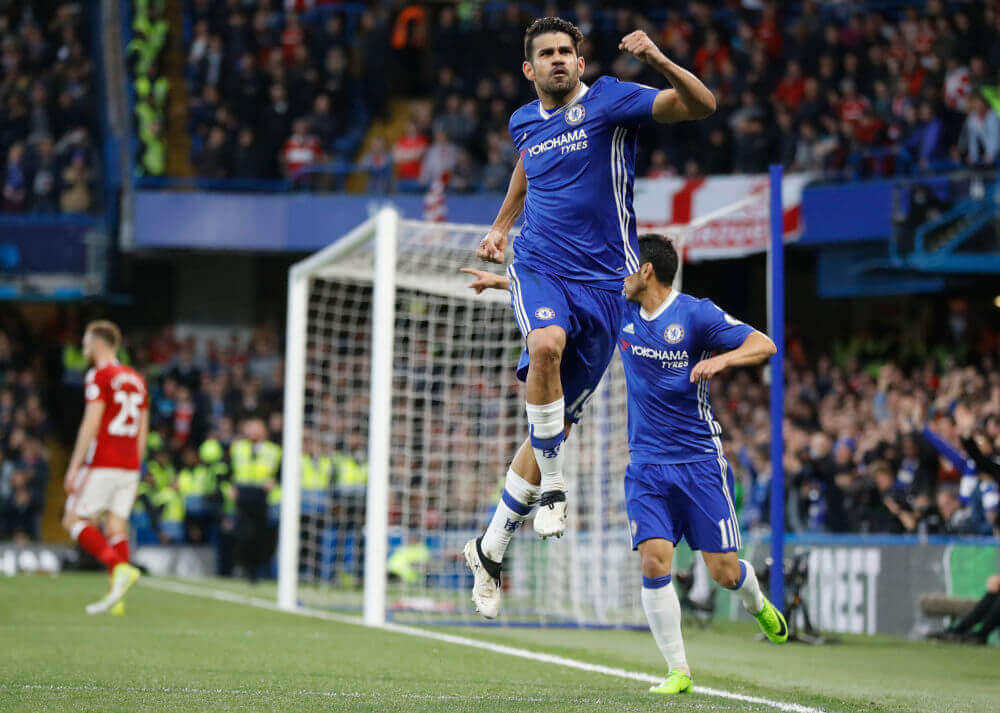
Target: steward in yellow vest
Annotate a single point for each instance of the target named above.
(255, 465)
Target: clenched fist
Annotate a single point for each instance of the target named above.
(493, 247)
(639, 44)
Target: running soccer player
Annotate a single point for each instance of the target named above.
(103, 472)
(573, 182)
(678, 483)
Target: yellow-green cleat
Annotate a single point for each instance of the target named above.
(677, 682)
(772, 623)
(118, 609)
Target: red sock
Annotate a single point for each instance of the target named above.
(119, 543)
(91, 539)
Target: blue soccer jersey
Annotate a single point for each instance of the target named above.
(669, 418)
(580, 163)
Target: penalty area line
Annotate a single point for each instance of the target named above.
(234, 598)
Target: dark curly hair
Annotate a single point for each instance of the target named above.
(545, 25)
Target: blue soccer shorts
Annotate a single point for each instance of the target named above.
(689, 500)
(590, 317)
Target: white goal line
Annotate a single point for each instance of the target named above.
(235, 598)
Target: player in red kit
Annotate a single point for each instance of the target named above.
(103, 472)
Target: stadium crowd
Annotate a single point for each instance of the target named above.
(835, 88)
(910, 445)
(872, 445)
(24, 428)
(48, 107)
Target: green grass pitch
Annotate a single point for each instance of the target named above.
(175, 652)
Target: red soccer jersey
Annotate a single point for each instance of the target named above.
(124, 394)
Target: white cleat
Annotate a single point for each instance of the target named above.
(122, 578)
(486, 589)
(550, 519)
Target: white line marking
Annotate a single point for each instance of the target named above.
(235, 598)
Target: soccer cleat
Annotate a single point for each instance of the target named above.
(118, 609)
(486, 572)
(676, 682)
(123, 576)
(772, 623)
(550, 519)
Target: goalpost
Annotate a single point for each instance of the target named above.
(395, 367)
(401, 414)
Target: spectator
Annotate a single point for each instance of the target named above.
(976, 626)
(377, 163)
(408, 153)
(440, 160)
(981, 134)
(210, 161)
(15, 186)
(659, 167)
(792, 88)
(75, 195)
(249, 160)
(302, 150)
(322, 123)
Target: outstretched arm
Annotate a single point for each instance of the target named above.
(755, 348)
(494, 245)
(688, 99)
(486, 280)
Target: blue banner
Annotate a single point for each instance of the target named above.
(305, 222)
(295, 222)
(846, 212)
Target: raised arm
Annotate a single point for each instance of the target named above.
(688, 99)
(494, 246)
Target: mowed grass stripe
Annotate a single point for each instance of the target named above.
(234, 598)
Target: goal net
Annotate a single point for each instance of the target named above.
(402, 412)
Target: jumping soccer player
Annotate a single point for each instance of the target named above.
(103, 472)
(678, 483)
(573, 182)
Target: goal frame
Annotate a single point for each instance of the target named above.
(383, 227)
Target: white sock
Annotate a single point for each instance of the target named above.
(77, 527)
(515, 505)
(547, 435)
(663, 611)
(748, 589)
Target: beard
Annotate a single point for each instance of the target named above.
(559, 87)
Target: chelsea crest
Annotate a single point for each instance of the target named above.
(674, 333)
(575, 114)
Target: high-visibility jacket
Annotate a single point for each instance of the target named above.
(154, 442)
(172, 503)
(163, 475)
(73, 358)
(254, 463)
(274, 495)
(143, 488)
(405, 560)
(316, 475)
(197, 481)
(228, 498)
(350, 473)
